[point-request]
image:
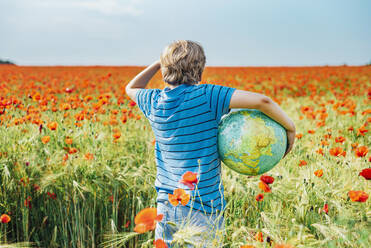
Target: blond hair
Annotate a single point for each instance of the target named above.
(182, 62)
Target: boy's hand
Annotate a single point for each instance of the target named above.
(290, 141)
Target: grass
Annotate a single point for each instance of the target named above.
(96, 200)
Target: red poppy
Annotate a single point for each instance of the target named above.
(68, 141)
(361, 131)
(358, 196)
(337, 151)
(65, 106)
(69, 90)
(52, 125)
(263, 186)
(320, 151)
(124, 119)
(366, 173)
(267, 179)
(189, 178)
(354, 145)
(127, 224)
(45, 139)
(4, 218)
(299, 135)
(318, 173)
(179, 195)
(89, 156)
(324, 143)
(339, 139)
(65, 157)
(259, 197)
(116, 135)
(327, 136)
(325, 208)
(72, 150)
(259, 236)
(146, 220)
(52, 195)
(361, 151)
(367, 111)
(320, 123)
(27, 202)
(159, 243)
(302, 163)
(311, 131)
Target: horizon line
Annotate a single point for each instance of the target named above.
(210, 66)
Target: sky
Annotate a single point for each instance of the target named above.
(232, 32)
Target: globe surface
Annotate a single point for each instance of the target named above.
(250, 142)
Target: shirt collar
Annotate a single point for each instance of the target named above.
(175, 91)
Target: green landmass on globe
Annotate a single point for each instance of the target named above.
(250, 142)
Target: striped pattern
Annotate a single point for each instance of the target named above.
(185, 123)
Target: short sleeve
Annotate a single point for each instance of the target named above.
(145, 99)
(219, 98)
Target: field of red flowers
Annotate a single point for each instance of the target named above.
(77, 160)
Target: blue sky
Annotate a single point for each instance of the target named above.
(232, 32)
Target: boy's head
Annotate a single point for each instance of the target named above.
(182, 62)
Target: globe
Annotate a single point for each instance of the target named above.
(250, 142)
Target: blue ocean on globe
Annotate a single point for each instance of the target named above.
(250, 142)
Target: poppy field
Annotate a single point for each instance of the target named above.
(77, 166)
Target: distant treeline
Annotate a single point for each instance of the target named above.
(6, 62)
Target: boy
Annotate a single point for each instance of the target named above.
(184, 117)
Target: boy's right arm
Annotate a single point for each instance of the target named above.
(252, 100)
(141, 80)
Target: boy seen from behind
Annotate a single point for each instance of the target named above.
(184, 117)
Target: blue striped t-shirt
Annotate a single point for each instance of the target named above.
(185, 124)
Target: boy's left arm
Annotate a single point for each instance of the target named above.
(141, 80)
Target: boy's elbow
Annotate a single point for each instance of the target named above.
(130, 92)
(264, 102)
(127, 88)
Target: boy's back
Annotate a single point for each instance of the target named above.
(185, 123)
(185, 118)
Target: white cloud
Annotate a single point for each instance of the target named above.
(106, 7)
(111, 7)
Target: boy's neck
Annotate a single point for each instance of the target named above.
(171, 86)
